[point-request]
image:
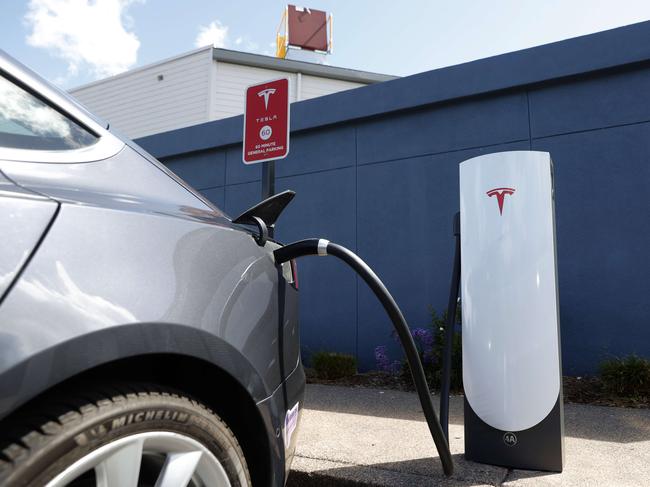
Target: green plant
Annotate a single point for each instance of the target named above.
(332, 365)
(626, 377)
(439, 324)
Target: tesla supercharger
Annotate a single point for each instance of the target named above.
(511, 335)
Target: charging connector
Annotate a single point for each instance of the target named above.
(324, 247)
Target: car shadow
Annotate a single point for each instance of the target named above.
(412, 473)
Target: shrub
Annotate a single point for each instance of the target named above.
(332, 365)
(456, 376)
(626, 377)
(430, 343)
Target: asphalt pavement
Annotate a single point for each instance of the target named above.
(352, 436)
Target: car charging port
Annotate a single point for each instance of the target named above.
(324, 247)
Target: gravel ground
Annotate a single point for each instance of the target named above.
(580, 390)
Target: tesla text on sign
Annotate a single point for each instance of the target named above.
(266, 121)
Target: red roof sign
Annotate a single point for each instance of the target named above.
(307, 28)
(266, 121)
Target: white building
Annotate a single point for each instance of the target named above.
(203, 85)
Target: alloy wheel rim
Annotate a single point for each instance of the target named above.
(184, 460)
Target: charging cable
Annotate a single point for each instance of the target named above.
(317, 246)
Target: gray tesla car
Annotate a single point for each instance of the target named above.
(145, 337)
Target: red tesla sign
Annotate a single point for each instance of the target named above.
(266, 121)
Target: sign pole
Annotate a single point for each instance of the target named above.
(268, 185)
(268, 179)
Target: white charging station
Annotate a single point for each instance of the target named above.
(511, 336)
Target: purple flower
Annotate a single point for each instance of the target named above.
(424, 341)
(383, 362)
(424, 336)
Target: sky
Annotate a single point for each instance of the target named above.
(73, 42)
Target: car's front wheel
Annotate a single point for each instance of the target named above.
(132, 436)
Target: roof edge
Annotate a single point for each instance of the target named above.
(292, 66)
(606, 50)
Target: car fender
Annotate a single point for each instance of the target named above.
(44, 370)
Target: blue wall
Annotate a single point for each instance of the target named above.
(376, 169)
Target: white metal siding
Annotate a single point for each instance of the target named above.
(195, 89)
(137, 104)
(313, 86)
(231, 82)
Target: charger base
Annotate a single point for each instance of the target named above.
(540, 447)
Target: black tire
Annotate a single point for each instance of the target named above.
(86, 421)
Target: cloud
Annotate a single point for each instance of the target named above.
(215, 34)
(87, 34)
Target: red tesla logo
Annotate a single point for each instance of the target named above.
(500, 193)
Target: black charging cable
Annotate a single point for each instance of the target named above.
(317, 246)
